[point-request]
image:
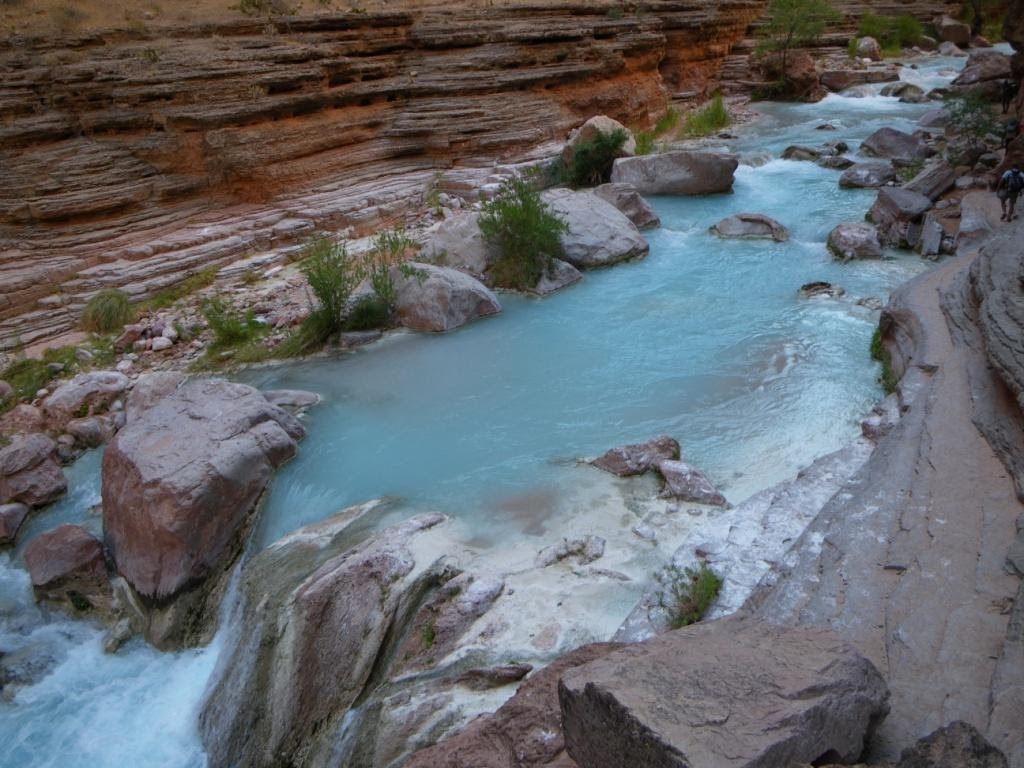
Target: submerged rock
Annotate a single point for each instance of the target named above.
(723, 693)
(29, 472)
(821, 288)
(180, 484)
(430, 298)
(598, 233)
(626, 198)
(855, 240)
(750, 226)
(637, 458)
(317, 612)
(68, 569)
(677, 173)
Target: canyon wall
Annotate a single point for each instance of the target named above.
(136, 158)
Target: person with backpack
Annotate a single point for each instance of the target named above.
(1008, 91)
(1011, 184)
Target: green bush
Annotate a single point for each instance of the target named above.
(107, 311)
(525, 232)
(887, 379)
(667, 122)
(893, 33)
(332, 276)
(368, 313)
(644, 142)
(688, 593)
(592, 160)
(708, 119)
(230, 328)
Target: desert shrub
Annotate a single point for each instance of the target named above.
(644, 142)
(107, 311)
(592, 160)
(687, 593)
(525, 232)
(887, 379)
(793, 24)
(667, 122)
(768, 91)
(708, 119)
(230, 328)
(893, 33)
(368, 313)
(165, 298)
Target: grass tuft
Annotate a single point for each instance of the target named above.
(707, 120)
(688, 593)
(108, 311)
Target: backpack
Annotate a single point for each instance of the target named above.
(1014, 182)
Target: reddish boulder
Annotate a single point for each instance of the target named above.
(29, 474)
(67, 568)
(180, 483)
(84, 395)
(688, 483)
(11, 518)
(635, 459)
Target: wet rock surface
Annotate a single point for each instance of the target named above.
(855, 240)
(627, 199)
(68, 569)
(677, 173)
(723, 693)
(637, 458)
(180, 483)
(750, 226)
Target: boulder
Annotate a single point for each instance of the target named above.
(840, 79)
(558, 275)
(723, 694)
(835, 162)
(84, 395)
(316, 615)
(180, 485)
(957, 745)
(867, 176)
(67, 568)
(984, 66)
(750, 225)
(904, 91)
(149, 389)
(21, 419)
(687, 483)
(161, 344)
(591, 129)
(637, 458)
(896, 145)
(934, 118)
(458, 242)
(6, 390)
(855, 240)
(868, 48)
(797, 152)
(895, 212)
(11, 518)
(525, 732)
(947, 48)
(933, 181)
(932, 234)
(94, 431)
(598, 233)
(430, 298)
(630, 202)
(950, 30)
(29, 473)
(677, 173)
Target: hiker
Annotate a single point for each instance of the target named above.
(1009, 188)
(1009, 91)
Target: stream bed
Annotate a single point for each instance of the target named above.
(706, 340)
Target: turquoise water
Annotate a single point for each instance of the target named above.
(705, 339)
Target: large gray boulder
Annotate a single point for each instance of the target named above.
(557, 276)
(317, 613)
(950, 30)
(677, 173)
(630, 202)
(149, 389)
(897, 213)
(590, 130)
(867, 176)
(984, 66)
(855, 240)
(750, 226)
(85, 394)
(458, 242)
(180, 485)
(29, 472)
(431, 298)
(933, 181)
(896, 145)
(598, 234)
(723, 694)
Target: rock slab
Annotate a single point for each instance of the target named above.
(723, 694)
(677, 173)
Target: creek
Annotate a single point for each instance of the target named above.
(706, 340)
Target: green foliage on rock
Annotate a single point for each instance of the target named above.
(230, 328)
(688, 593)
(592, 159)
(107, 311)
(332, 275)
(708, 119)
(893, 33)
(886, 378)
(524, 230)
(971, 116)
(794, 23)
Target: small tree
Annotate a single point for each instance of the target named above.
(794, 23)
(526, 233)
